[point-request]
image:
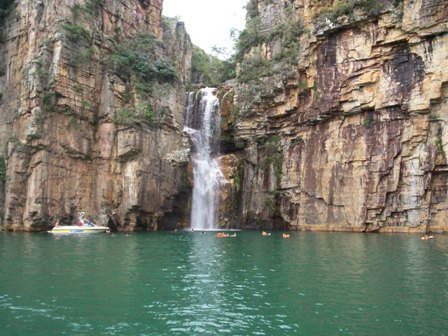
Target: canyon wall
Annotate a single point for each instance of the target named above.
(338, 120)
(91, 115)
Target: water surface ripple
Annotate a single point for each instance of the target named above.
(197, 284)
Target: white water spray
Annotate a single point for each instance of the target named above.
(203, 123)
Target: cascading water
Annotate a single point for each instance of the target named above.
(202, 124)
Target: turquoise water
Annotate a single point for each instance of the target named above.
(197, 284)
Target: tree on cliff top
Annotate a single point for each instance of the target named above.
(209, 70)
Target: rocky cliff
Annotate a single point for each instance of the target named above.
(338, 120)
(91, 114)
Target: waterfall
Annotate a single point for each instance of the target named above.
(203, 125)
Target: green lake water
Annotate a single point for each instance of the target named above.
(197, 284)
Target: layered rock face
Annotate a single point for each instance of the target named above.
(91, 114)
(342, 116)
(337, 120)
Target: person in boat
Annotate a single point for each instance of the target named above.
(225, 235)
(84, 221)
(88, 223)
(222, 235)
(427, 237)
(56, 223)
(81, 219)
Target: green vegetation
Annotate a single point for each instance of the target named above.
(250, 94)
(347, 8)
(316, 91)
(38, 118)
(136, 58)
(239, 143)
(272, 154)
(237, 179)
(250, 37)
(209, 70)
(129, 116)
(76, 32)
(439, 145)
(37, 70)
(252, 8)
(368, 121)
(77, 10)
(5, 9)
(238, 175)
(234, 111)
(287, 31)
(254, 69)
(48, 101)
(2, 169)
(434, 116)
(232, 140)
(90, 10)
(81, 37)
(439, 141)
(147, 112)
(272, 202)
(125, 116)
(82, 56)
(137, 63)
(85, 105)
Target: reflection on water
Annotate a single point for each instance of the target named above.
(197, 284)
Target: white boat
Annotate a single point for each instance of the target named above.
(70, 229)
(85, 226)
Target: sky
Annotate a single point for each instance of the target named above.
(208, 22)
